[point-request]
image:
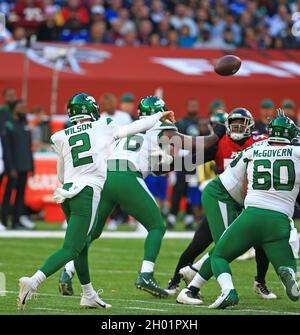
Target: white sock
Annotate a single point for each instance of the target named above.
(88, 290)
(198, 264)
(225, 281)
(37, 278)
(70, 268)
(147, 266)
(197, 281)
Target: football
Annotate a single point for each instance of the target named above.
(228, 65)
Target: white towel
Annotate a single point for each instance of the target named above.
(60, 195)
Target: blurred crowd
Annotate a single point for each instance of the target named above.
(27, 129)
(191, 23)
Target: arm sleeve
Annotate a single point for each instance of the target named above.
(60, 169)
(60, 160)
(135, 127)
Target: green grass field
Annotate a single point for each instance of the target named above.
(114, 264)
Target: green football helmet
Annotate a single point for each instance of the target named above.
(82, 106)
(283, 130)
(151, 105)
(218, 116)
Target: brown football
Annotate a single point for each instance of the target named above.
(228, 65)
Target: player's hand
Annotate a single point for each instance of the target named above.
(168, 115)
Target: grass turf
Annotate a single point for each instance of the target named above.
(114, 265)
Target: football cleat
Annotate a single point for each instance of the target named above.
(65, 284)
(26, 292)
(145, 281)
(288, 278)
(26, 222)
(94, 302)
(188, 273)
(187, 297)
(2, 227)
(173, 286)
(226, 299)
(247, 255)
(262, 289)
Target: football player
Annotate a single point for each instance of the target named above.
(131, 161)
(82, 154)
(239, 136)
(272, 170)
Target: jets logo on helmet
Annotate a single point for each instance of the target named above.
(239, 124)
(83, 106)
(283, 130)
(151, 105)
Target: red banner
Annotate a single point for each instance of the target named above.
(181, 73)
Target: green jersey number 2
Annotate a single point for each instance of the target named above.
(84, 146)
(263, 179)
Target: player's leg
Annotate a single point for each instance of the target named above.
(131, 192)
(179, 190)
(262, 265)
(106, 207)
(221, 210)
(201, 240)
(282, 258)
(81, 212)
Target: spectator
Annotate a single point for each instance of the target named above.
(180, 19)
(48, 30)
(144, 31)
(185, 39)
(97, 14)
(27, 14)
(98, 33)
(9, 97)
(216, 24)
(19, 162)
(279, 21)
(266, 114)
(127, 105)
(289, 108)
(172, 38)
(108, 103)
(73, 31)
(157, 12)
(112, 11)
(74, 10)
(154, 40)
(288, 39)
(41, 130)
(251, 39)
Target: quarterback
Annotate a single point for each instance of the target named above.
(81, 167)
(272, 169)
(133, 158)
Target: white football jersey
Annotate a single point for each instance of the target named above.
(84, 149)
(137, 149)
(273, 176)
(233, 178)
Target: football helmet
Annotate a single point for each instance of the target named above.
(82, 106)
(239, 124)
(151, 105)
(282, 129)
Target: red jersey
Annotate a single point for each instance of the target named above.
(228, 149)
